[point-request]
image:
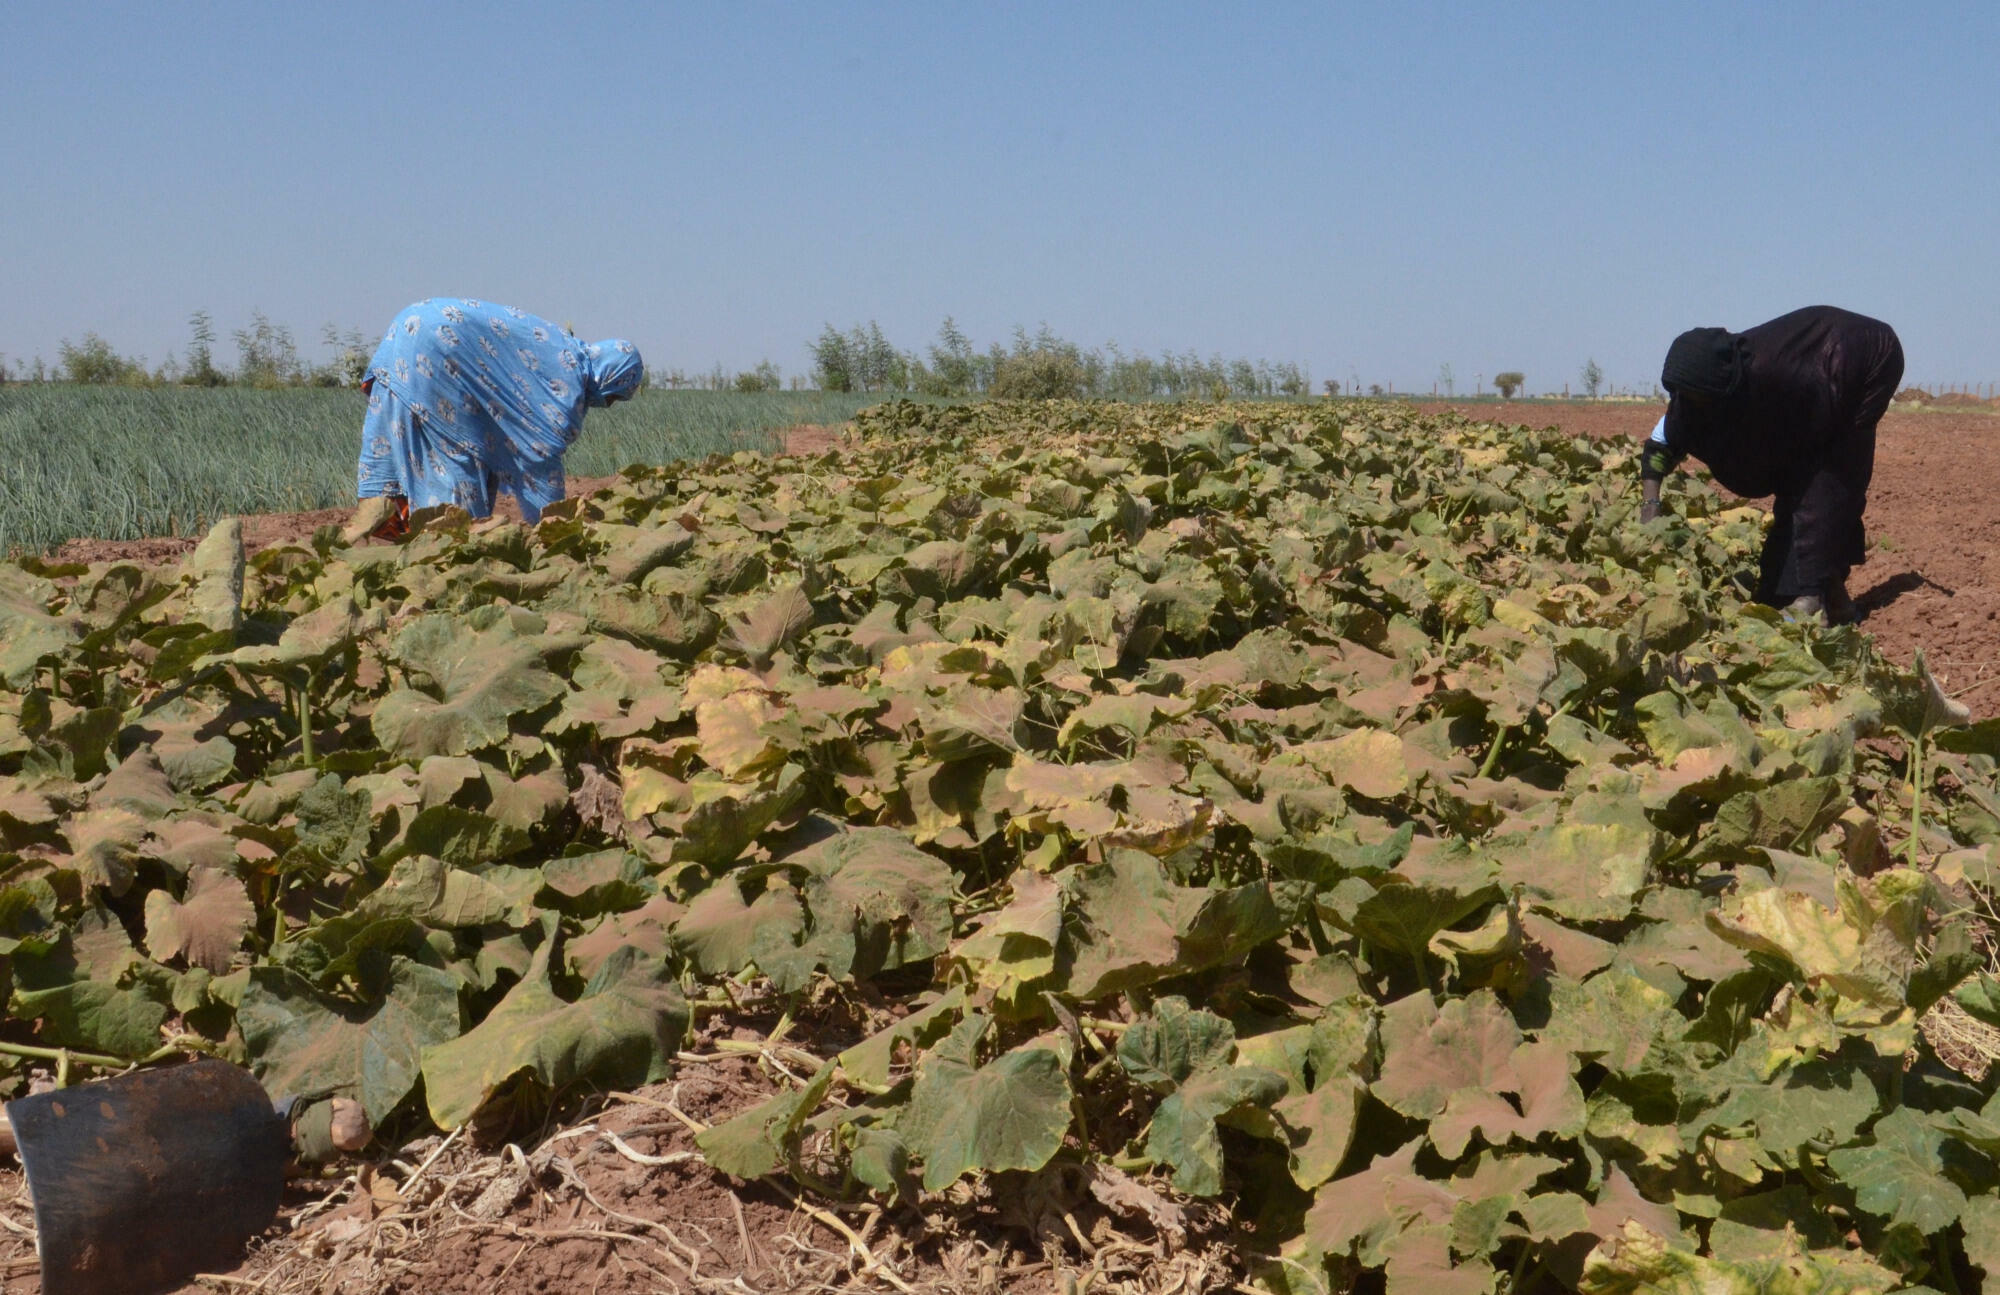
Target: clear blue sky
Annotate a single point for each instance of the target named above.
(1371, 189)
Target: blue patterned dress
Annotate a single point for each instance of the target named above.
(468, 400)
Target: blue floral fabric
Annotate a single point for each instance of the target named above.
(468, 400)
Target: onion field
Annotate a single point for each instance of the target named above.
(120, 463)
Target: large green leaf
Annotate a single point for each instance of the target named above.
(1899, 1173)
(1010, 1113)
(477, 681)
(85, 1007)
(302, 1041)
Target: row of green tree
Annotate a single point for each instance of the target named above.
(1038, 365)
(267, 355)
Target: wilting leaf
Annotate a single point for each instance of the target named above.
(105, 844)
(1781, 816)
(774, 622)
(1915, 705)
(1367, 761)
(1016, 946)
(1824, 944)
(1451, 1061)
(621, 1030)
(877, 901)
(725, 932)
(1404, 917)
(1174, 1042)
(1192, 1051)
(1132, 926)
(733, 740)
(333, 823)
(1183, 1132)
(758, 1141)
(869, 1060)
(29, 635)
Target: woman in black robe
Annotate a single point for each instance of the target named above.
(1786, 409)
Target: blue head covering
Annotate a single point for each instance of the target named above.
(612, 370)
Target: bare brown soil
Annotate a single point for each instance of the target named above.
(811, 438)
(1932, 580)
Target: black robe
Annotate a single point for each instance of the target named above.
(1801, 427)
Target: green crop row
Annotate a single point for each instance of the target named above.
(121, 463)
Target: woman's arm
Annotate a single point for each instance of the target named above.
(1656, 460)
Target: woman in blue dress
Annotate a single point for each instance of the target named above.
(468, 400)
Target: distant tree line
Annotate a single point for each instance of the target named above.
(1037, 365)
(267, 355)
(1034, 365)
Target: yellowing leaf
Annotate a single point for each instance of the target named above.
(1368, 762)
(1826, 947)
(734, 741)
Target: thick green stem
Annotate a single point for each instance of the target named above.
(277, 912)
(306, 724)
(1494, 752)
(66, 1057)
(1520, 1267)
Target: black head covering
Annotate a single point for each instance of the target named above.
(1707, 360)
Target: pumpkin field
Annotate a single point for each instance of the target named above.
(1048, 846)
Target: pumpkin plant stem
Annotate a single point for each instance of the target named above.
(1946, 1277)
(1916, 798)
(1494, 752)
(1520, 1266)
(67, 1057)
(306, 724)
